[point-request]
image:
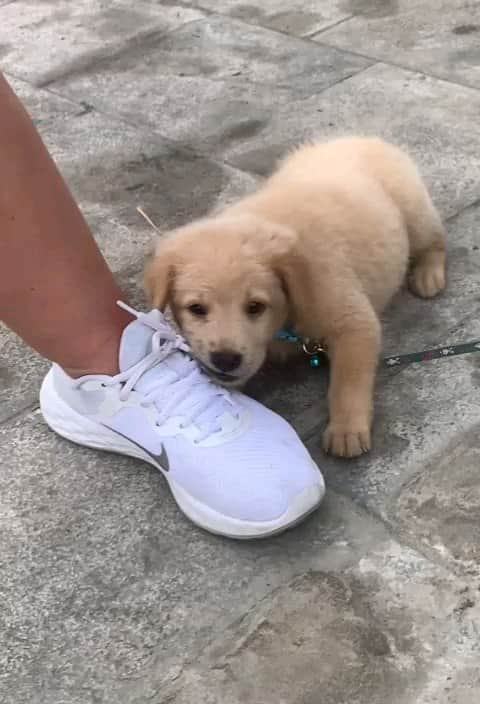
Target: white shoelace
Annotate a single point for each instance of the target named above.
(181, 391)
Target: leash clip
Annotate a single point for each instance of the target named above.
(313, 349)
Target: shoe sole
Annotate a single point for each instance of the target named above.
(69, 424)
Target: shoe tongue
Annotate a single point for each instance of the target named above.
(135, 344)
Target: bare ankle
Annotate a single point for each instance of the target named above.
(100, 356)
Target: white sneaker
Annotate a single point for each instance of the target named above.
(234, 467)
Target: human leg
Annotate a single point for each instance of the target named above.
(53, 277)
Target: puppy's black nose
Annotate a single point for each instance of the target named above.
(226, 361)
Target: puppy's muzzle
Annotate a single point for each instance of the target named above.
(226, 361)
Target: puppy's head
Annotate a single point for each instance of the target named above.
(224, 281)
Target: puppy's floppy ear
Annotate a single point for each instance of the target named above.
(277, 241)
(293, 268)
(160, 275)
(296, 277)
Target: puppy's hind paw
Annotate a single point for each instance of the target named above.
(346, 441)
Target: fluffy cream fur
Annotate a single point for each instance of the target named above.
(323, 244)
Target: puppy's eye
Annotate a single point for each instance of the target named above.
(198, 310)
(255, 308)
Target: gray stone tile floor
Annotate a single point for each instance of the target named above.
(107, 593)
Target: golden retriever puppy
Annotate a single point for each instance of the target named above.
(322, 246)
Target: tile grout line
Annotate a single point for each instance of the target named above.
(402, 67)
(325, 29)
(25, 411)
(473, 204)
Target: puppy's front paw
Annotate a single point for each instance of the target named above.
(347, 439)
(428, 274)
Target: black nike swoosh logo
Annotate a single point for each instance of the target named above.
(161, 459)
